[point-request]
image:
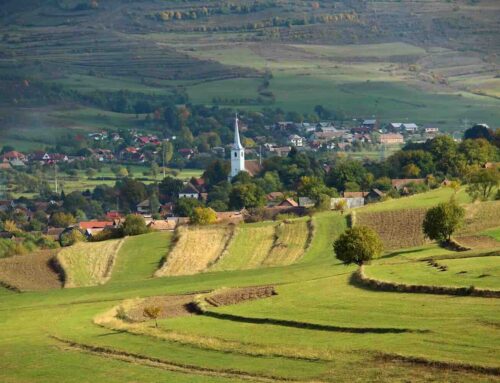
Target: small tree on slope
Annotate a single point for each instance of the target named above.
(443, 220)
(358, 245)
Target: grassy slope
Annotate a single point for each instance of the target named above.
(315, 290)
(140, 256)
(250, 246)
(482, 272)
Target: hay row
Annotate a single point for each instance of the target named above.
(359, 278)
(88, 264)
(289, 244)
(195, 250)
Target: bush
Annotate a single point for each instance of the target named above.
(71, 237)
(442, 221)
(203, 216)
(134, 225)
(358, 245)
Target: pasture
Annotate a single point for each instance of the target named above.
(317, 328)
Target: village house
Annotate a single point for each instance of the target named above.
(409, 128)
(144, 207)
(374, 195)
(13, 155)
(369, 125)
(189, 191)
(91, 228)
(431, 130)
(186, 153)
(296, 140)
(274, 198)
(391, 139)
(288, 202)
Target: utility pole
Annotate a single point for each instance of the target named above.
(164, 148)
(260, 155)
(55, 177)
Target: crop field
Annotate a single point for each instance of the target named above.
(265, 244)
(30, 272)
(249, 247)
(88, 264)
(290, 243)
(316, 326)
(397, 229)
(196, 248)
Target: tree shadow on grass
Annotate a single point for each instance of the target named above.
(309, 326)
(401, 252)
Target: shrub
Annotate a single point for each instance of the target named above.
(71, 237)
(203, 216)
(358, 245)
(442, 221)
(134, 225)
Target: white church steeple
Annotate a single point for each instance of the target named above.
(237, 152)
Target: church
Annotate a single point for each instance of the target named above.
(237, 153)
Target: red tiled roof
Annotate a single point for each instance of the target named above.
(94, 224)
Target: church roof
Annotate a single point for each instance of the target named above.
(237, 143)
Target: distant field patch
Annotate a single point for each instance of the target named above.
(397, 229)
(30, 272)
(88, 264)
(196, 248)
(384, 50)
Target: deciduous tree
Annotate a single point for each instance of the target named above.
(358, 245)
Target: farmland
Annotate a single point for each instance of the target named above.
(358, 62)
(397, 229)
(317, 327)
(88, 264)
(195, 250)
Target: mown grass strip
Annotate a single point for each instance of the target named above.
(171, 366)
(358, 278)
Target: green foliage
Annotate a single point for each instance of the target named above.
(246, 196)
(358, 245)
(185, 206)
(71, 237)
(134, 225)
(62, 219)
(482, 183)
(442, 221)
(203, 216)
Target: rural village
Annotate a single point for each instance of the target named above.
(268, 191)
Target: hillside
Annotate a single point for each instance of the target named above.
(309, 321)
(431, 62)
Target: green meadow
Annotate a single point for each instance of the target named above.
(318, 328)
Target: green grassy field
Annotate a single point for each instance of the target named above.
(318, 328)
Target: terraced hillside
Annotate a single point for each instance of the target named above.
(435, 62)
(304, 322)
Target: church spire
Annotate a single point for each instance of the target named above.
(237, 143)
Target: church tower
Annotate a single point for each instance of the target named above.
(237, 153)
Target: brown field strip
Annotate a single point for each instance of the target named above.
(88, 264)
(397, 229)
(196, 249)
(35, 271)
